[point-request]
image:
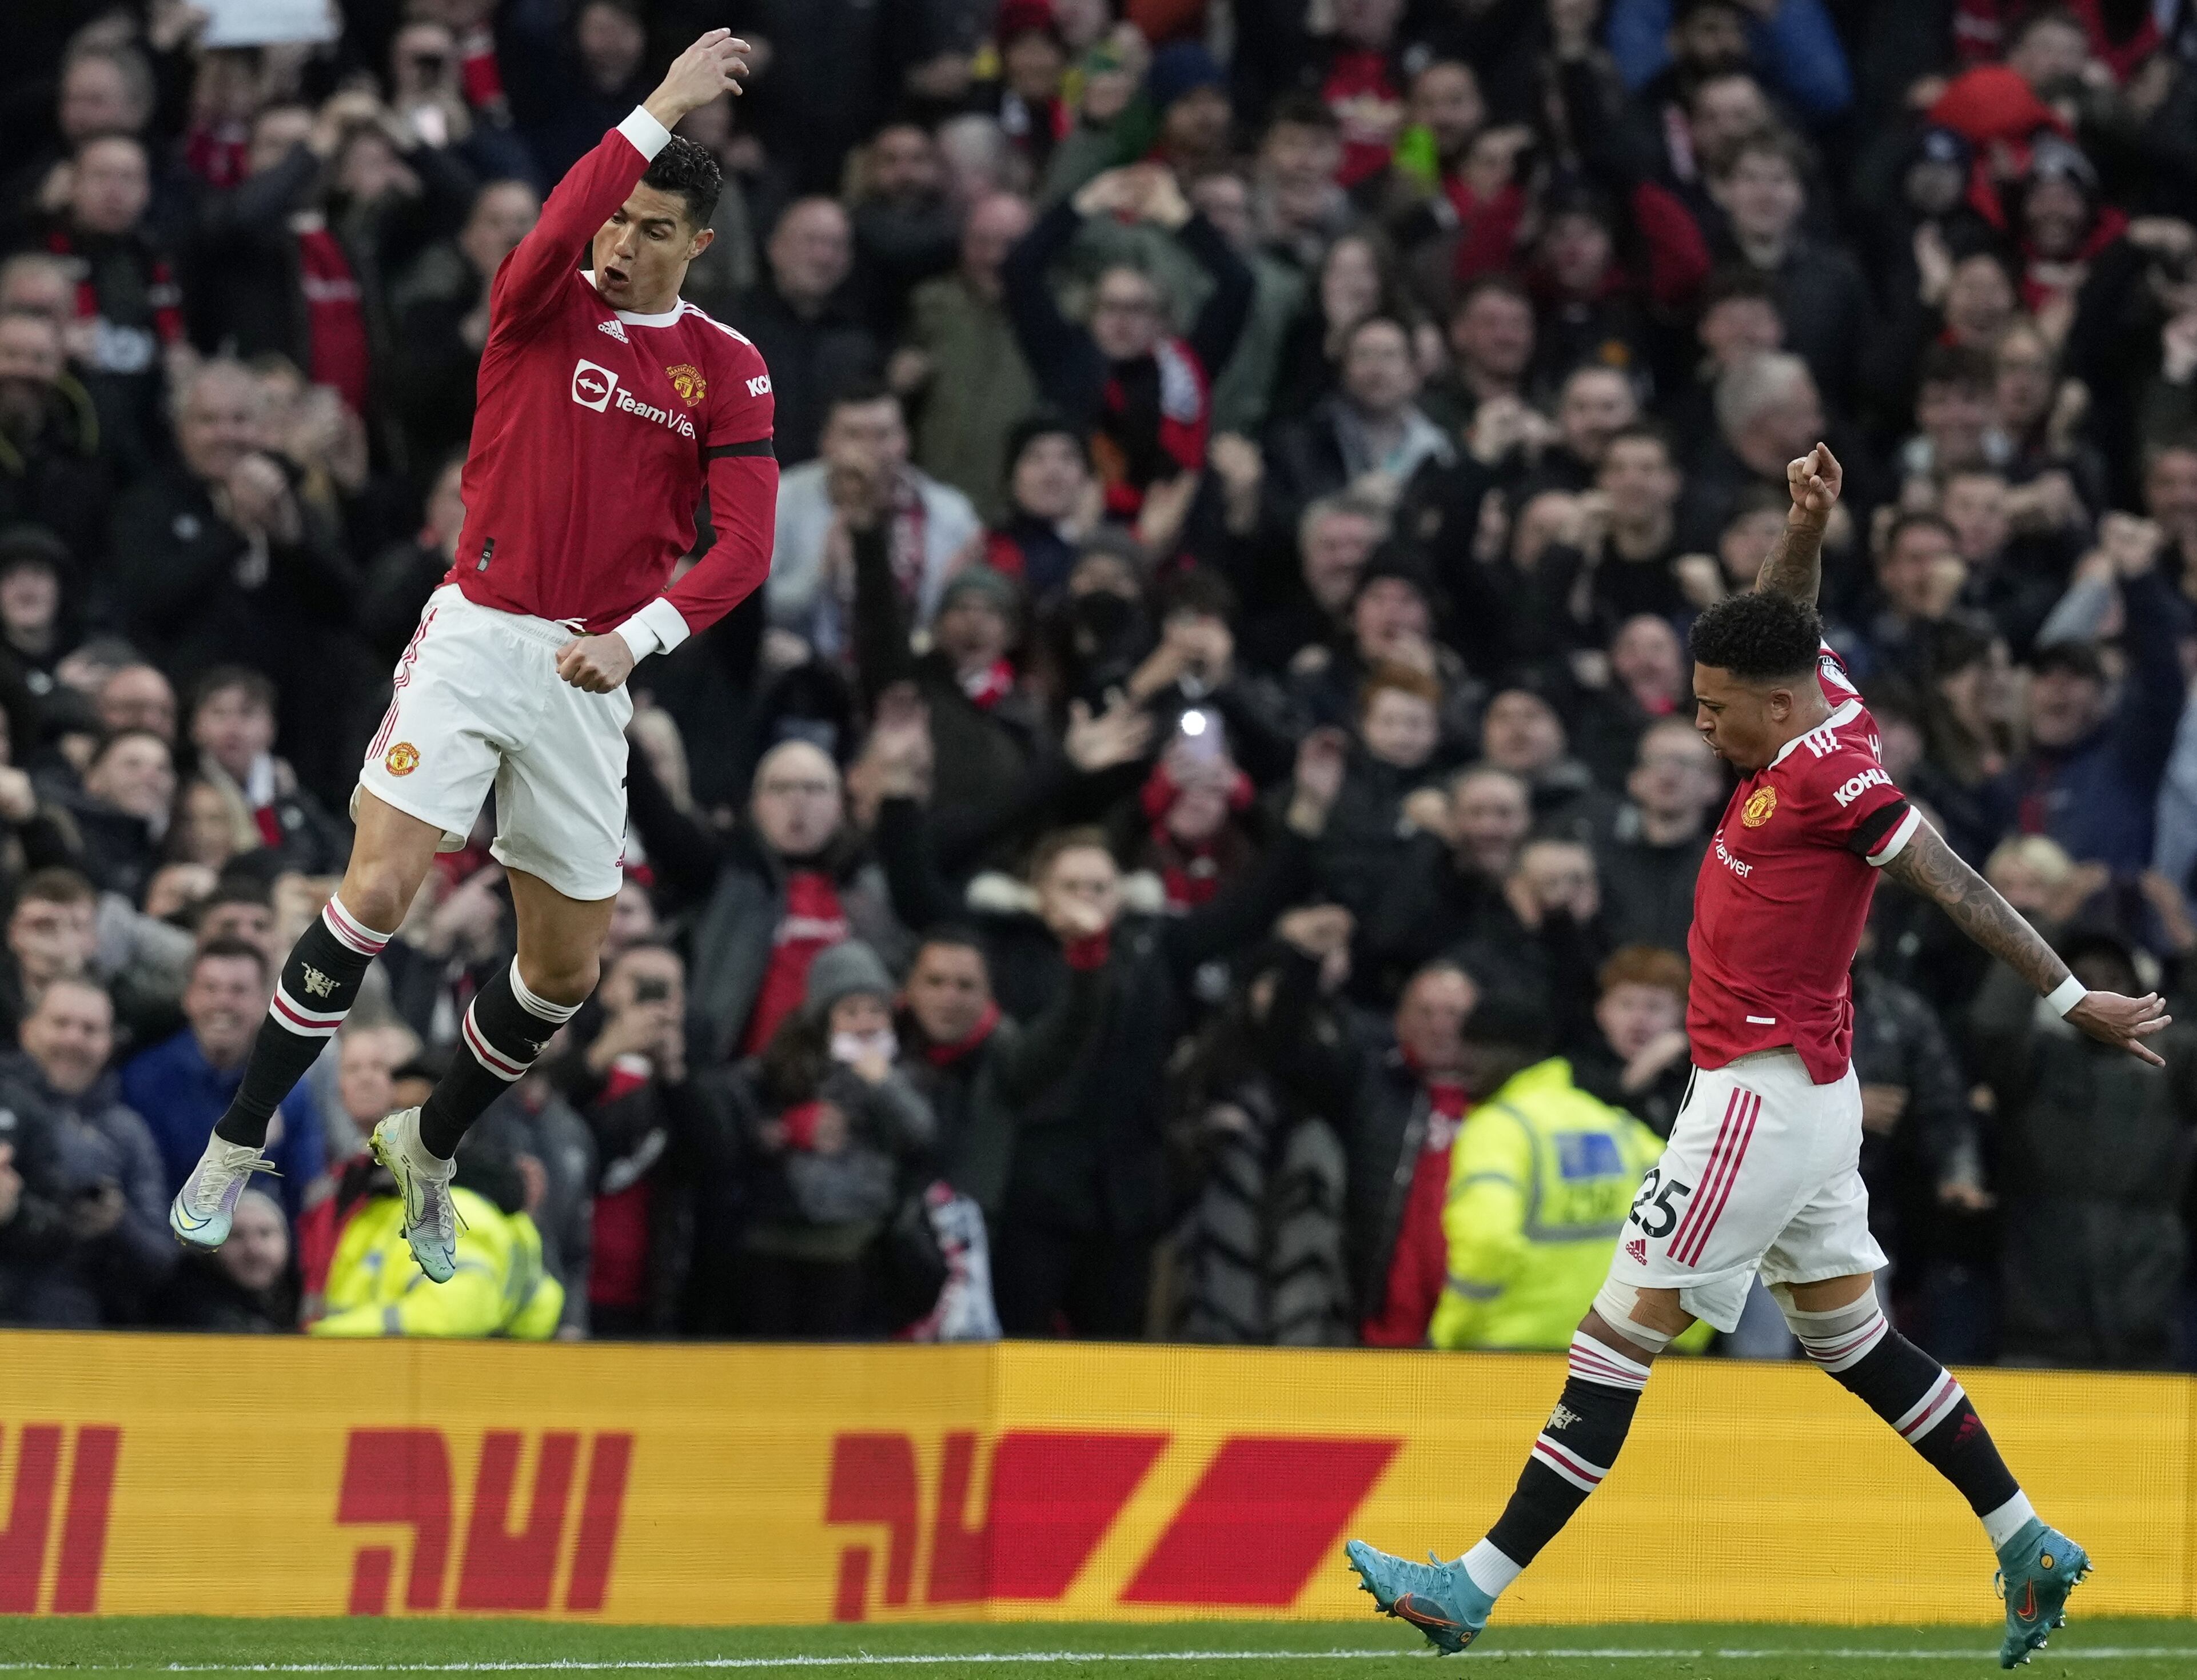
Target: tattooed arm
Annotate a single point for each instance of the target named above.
(1931, 867)
(1795, 565)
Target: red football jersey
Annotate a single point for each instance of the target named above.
(597, 431)
(1784, 890)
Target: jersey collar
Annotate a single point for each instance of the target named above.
(632, 320)
(1845, 713)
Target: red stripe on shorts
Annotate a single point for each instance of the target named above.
(1700, 1239)
(1708, 1177)
(398, 684)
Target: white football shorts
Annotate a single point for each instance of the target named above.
(1761, 1174)
(477, 704)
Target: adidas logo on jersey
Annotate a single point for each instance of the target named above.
(615, 327)
(1638, 1251)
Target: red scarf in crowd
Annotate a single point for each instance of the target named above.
(1190, 872)
(335, 316)
(813, 920)
(217, 153)
(1186, 422)
(480, 77)
(161, 291)
(617, 1271)
(987, 688)
(1419, 1269)
(1368, 112)
(946, 1055)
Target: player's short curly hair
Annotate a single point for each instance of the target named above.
(1758, 637)
(687, 170)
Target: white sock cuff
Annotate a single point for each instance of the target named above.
(350, 931)
(1593, 1361)
(557, 1014)
(1840, 1337)
(2001, 1524)
(1490, 1570)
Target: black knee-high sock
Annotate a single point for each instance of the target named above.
(1919, 1398)
(319, 983)
(1573, 1451)
(503, 1032)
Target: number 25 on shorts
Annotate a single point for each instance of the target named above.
(1655, 1196)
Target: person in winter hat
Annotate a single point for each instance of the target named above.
(835, 1122)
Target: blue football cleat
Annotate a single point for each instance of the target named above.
(2038, 1567)
(1438, 1599)
(201, 1212)
(431, 1220)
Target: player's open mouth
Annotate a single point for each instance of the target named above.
(614, 276)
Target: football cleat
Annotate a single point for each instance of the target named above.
(431, 1218)
(201, 1212)
(1437, 1598)
(2038, 1567)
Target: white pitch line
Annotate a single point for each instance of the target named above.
(1006, 1659)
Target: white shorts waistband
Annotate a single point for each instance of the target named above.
(549, 632)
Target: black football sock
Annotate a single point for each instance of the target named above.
(502, 1032)
(319, 983)
(1919, 1398)
(1572, 1455)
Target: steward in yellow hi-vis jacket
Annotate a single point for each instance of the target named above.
(1541, 1179)
(375, 1288)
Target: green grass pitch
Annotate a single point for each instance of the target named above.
(1372, 1649)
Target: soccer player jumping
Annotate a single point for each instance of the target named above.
(1761, 1172)
(606, 407)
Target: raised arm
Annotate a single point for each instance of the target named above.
(1795, 565)
(598, 183)
(1931, 867)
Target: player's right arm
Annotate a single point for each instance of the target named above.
(1930, 866)
(532, 275)
(1795, 565)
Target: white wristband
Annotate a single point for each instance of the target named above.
(657, 626)
(2066, 994)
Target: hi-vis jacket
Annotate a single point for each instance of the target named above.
(375, 1288)
(1541, 1179)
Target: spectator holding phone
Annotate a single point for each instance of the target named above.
(112, 1191)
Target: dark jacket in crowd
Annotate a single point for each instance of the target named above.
(89, 1143)
(812, 358)
(2096, 798)
(978, 1089)
(2094, 1157)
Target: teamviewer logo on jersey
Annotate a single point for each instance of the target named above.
(592, 386)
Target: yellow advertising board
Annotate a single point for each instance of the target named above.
(673, 1484)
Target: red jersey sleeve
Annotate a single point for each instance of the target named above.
(1857, 805)
(742, 468)
(530, 278)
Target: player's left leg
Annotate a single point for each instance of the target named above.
(510, 1019)
(1840, 1325)
(560, 941)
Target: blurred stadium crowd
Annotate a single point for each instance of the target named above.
(1219, 710)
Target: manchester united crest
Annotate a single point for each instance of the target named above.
(404, 758)
(687, 379)
(1761, 806)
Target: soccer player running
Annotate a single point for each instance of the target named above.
(1761, 1172)
(606, 407)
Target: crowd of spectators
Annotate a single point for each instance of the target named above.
(1248, 466)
